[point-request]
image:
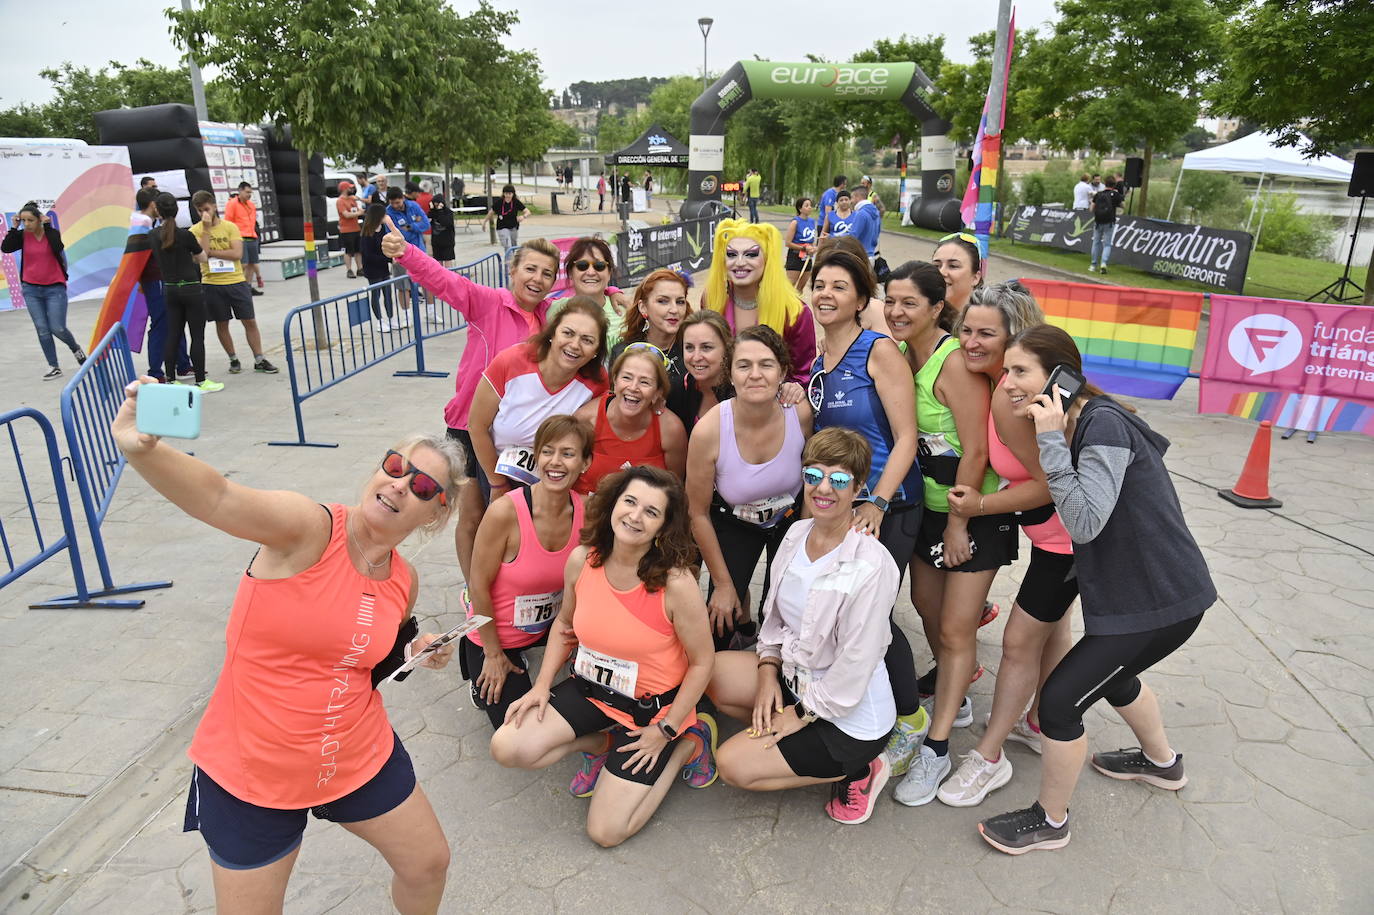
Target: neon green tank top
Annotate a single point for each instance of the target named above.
(936, 428)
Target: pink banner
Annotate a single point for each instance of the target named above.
(1295, 363)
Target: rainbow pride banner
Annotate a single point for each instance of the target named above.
(1301, 365)
(980, 198)
(1137, 342)
(87, 192)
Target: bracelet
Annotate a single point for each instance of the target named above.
(770, 662)
(981, 509)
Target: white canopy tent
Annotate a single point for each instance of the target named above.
(1259, 154)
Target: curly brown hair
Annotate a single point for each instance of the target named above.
(673, 548)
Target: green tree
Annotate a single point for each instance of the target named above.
(1119, 74)
(890, 123)
(302, 63)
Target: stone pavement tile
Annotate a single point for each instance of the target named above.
(29, 731)
(92, 744)
(28, 817)
(111, 890)
(1159, 890)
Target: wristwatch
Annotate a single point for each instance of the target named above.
(881, 504)
(668, 730)
(806, 714)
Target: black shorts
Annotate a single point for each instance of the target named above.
(443, 248)
(251, 251)
(794, 260)
(1050, 585)
(463, 438)
(586, 717)
(473, 657)
(350, 241)
(244, 836)
(822, 750)
(227, 303)
(994, 538)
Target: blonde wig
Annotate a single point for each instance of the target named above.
(779, 305)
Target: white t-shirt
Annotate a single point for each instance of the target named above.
(525, 403)
(1082, 195)
(872, 717)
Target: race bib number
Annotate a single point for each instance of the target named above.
(220, 265)
(607, 671)
(517, 462)
(534, 612)
(764, 512)
(935, 443)
(797, 678)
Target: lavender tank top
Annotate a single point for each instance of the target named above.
(759, 493)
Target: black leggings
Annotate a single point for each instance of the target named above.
(742, 544)
(472, 658)
(379, 295)
(898, 533)
(1104, 667)
(185, 309)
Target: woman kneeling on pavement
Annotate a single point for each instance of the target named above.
(816, 694)
(634, 620)
(295, 725)
(1106, 471)
(522, 548)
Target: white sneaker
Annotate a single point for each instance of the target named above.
(922, 779)
(431, 315)
(962, 720)
(403, 318)
(975, 779)
(1022, 733)
(386, 326)
(906, 739)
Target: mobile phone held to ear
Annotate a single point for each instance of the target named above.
(1069, 381)
(168, 410)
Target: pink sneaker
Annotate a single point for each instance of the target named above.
(853, 801)
(584, 782)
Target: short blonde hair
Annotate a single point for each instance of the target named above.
(535, 246)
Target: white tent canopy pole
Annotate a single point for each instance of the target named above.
(1254, 202)
(1174, 199)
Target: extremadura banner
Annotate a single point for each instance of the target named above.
(1213, 257)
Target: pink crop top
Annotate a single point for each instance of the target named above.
(1050, 536)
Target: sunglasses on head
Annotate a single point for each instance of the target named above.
(652, 351)
(423, 486)
(586, 264)
(962, 236)
(839, 481)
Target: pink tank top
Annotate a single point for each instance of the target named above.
(527, 592)
(741, 483)
(1050, 536)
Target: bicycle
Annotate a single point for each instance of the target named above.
(582, 201)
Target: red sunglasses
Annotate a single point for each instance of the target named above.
(423, 486)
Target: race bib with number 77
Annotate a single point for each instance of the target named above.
(613, 673)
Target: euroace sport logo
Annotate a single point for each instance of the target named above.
(1265, 343)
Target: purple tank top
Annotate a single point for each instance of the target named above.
(761, 491)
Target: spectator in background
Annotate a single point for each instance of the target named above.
(376, 266)
(601, 193)
(43, 275)
(154, 292)
(625, 196)
(649, 188)
(349, 209)
(227, 295)
(1083, 193)
(442, 230)
(1097, 184)
(1105, 204)
(828, 198)
(867, 183)
(377, 189)
(178, 256)
(147, 181)
(243, 212)
(752, 184)
(842, 220)
(868, 224)
(458, 187)
(508, 212)
(407, 216)
(568, 176)
(420, 193)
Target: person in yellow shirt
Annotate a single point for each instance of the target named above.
(752, 182)
(227, 294)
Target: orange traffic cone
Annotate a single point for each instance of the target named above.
(1252, 489)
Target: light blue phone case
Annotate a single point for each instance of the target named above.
(169, 410)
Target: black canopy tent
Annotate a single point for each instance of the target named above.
(655, 146)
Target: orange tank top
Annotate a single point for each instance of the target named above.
(294, 721)
(627, 636)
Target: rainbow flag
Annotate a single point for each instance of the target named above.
(1307, 412)
(1137, 342)
(124, 299)
(980, 198)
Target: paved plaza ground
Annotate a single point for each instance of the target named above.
(1270, 702)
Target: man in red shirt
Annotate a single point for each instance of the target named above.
(243, 212)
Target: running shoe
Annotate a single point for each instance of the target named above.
(923, 779)
(1092, 268)
(386, 326)
(962, 720)
(1021, 831)
(267, 368)
(925, 684)
(80, 355)
(352, 275)
(209, 387)
(974, 780)
(700, 771)
(990, 611)
(907, 737)
(1024, 733)
(1102, 270)
(256, 291)
(852, 800)
(1133, 765)
(584, 782)
(53, 372)
(186, 372)
(235, 366)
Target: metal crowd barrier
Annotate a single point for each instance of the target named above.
(89, 404)
(67, 541)
(334, 339)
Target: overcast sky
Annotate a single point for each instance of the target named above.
(576, 41)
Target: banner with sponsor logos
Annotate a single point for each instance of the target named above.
(1213, 257)
(683, 246)
(1298, 364)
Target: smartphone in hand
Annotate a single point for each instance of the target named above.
(1069, 381)
(168, 410)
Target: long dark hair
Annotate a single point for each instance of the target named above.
(167, 211)
(673, 548)
(373, 218)
(1052, 346)
(856, 265)
(928, 281)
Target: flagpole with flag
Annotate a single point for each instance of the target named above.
(980, 199)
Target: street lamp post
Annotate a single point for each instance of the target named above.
(704, 23)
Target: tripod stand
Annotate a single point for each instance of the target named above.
(1336, 290)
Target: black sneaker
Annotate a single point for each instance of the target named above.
(53, 372)
(256, 291)
(267, 368)
(1132, 765)
(80, 355)
(1021, 831)
(235, 366)
(925, 684)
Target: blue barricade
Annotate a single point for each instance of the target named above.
(89, 404)
(50, 548)
(336, 338)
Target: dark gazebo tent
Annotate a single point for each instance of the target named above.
(655, 146)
